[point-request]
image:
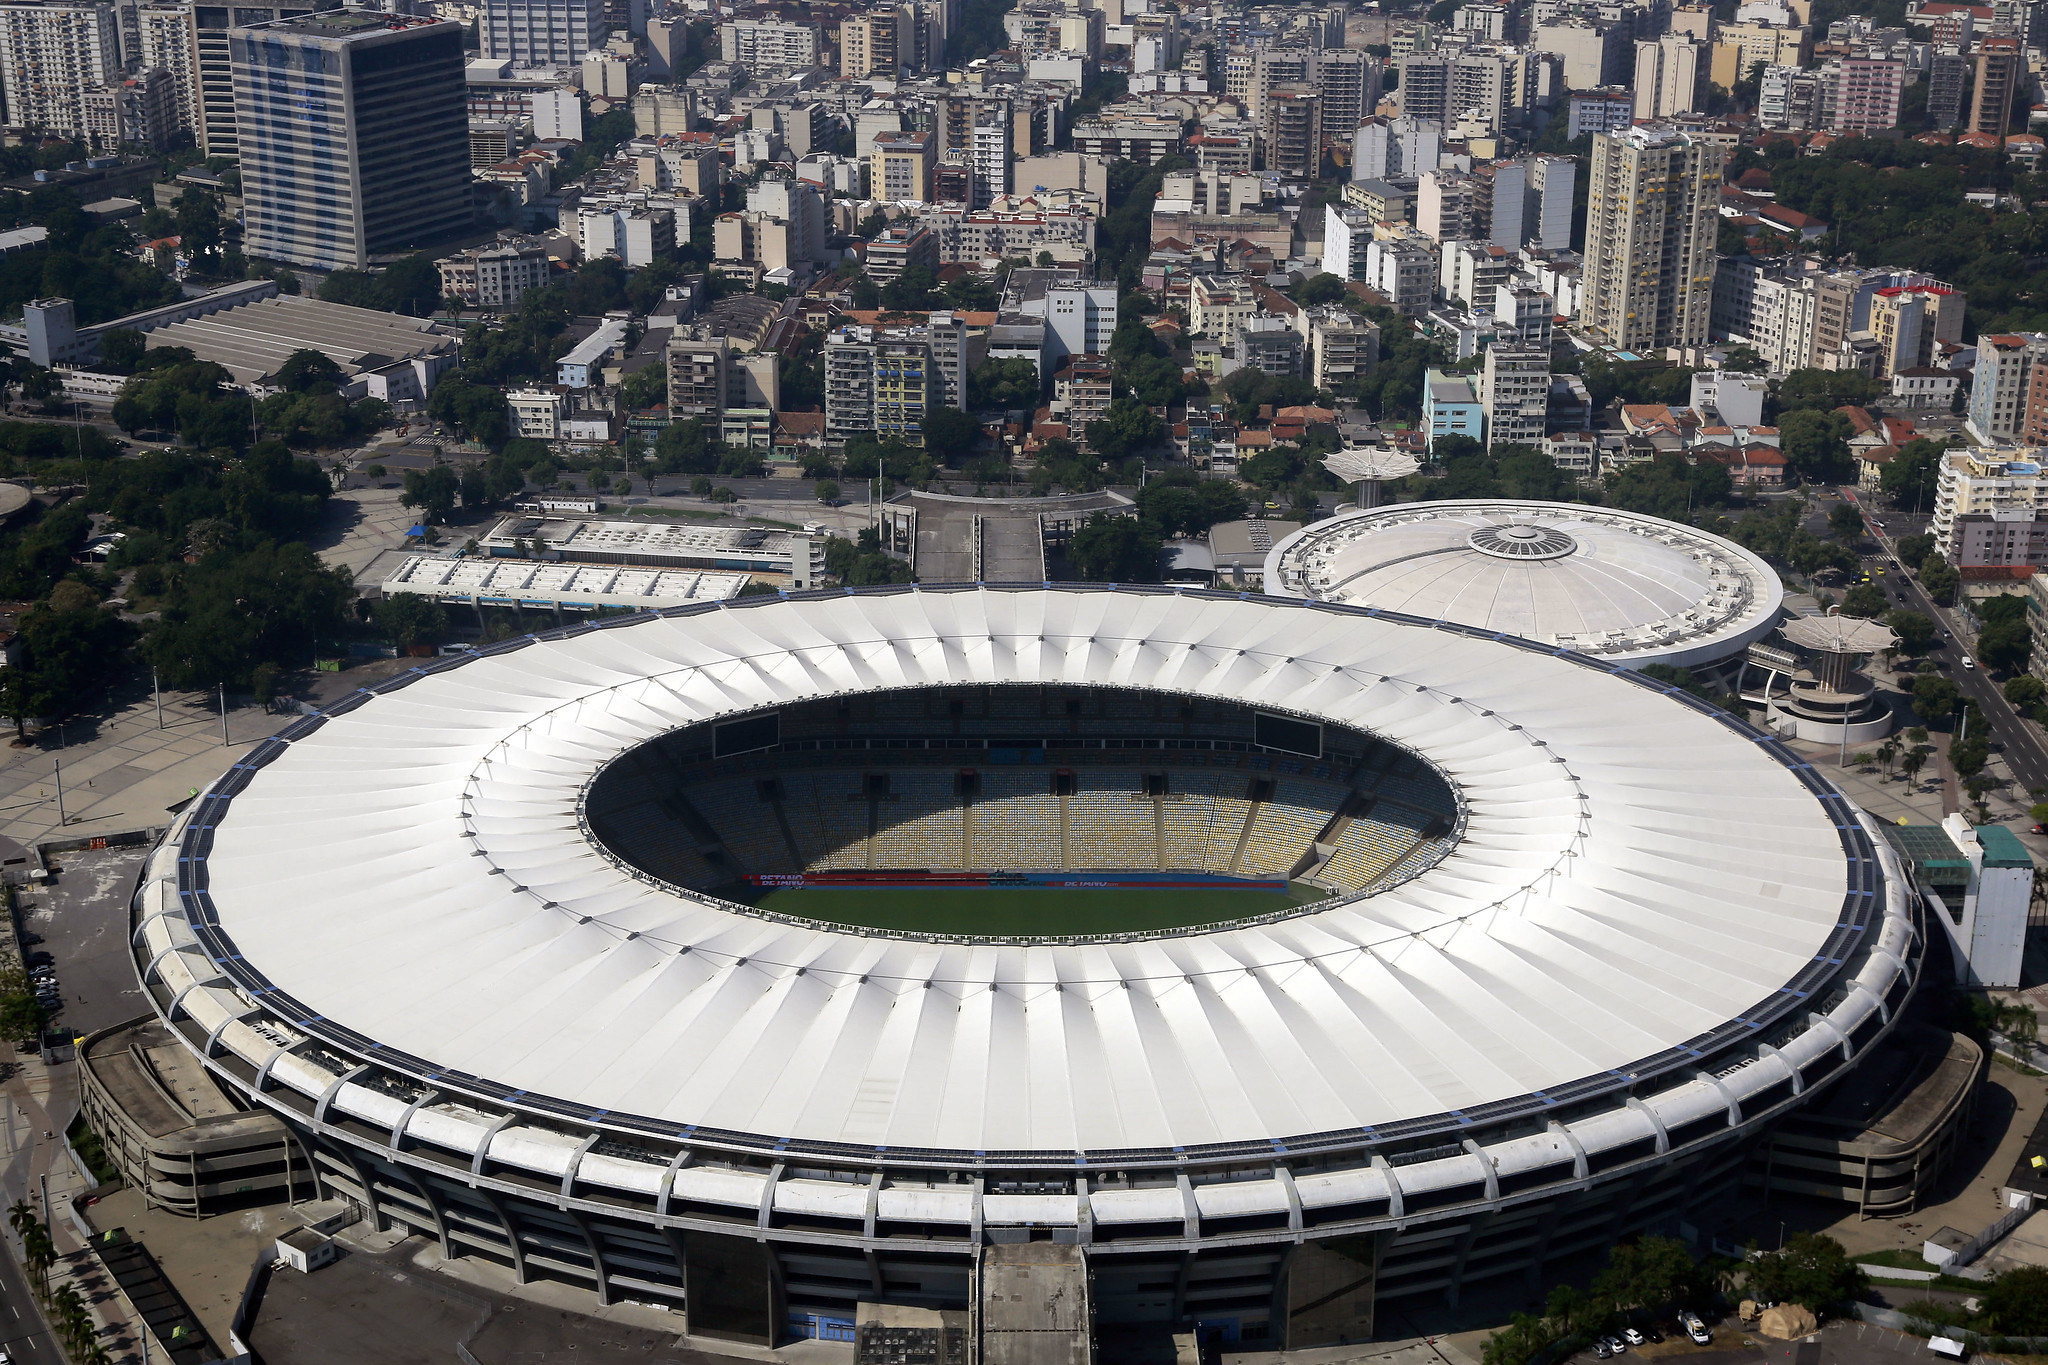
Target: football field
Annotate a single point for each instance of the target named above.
(1022, 911)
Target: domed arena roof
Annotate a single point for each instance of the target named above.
(1624, 586)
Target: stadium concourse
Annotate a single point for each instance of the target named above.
(1485, 953)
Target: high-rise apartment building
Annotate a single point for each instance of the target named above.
(167, 38)
(136, 111)
(2002, 383)
(51, 56)
(1292, 128)
(885, 380)
(1739, 49)
(877, 43)
(1548, 222)
(2000, 68)
(900, 167)
(1948, 75)
(541, 32)
(355, 138)
(1384, 148)
(1514, 393)
(218, 132)
(767, 45)
(1671, 77)
(1867, 91)
(1652, 210)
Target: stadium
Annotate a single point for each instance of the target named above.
(1617, 585)
(1071, 959)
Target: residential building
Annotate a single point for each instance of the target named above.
(1525, 314)
(557, 115)
(167, 39)
(1142, 138)
(51, 58)
(1948, 76)
(1398, 147)
(2001, 66)
(1346, 231)
(898, 248)
(1547, 219)
(1793, 99)
(1925, 388)
(635, 233)
(536, 414)
(1080, 318)
(1653, 210)
(1404, 268)
(1514, 393)
(768, 46)
(1671, 77)
(1292, 129)
(1218, 303)
(1380, 201)
(1988, 508)
(355, 141)
(554, 33)
(697, 374)
(1342, 347)
(1601, 111)
(1911, 323)
(1081, 394)
(1472, 271)
(495, 276)
(1269, 344)
(876, 43)
(2002, 384)
(1596, 52)
(1450, 408)
(900, 167)
(1447, 205)
(1867, 91)
(141, 110)
(880, 381)
(1740, 48)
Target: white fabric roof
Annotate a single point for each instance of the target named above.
(1632, 874)
(1634, 588)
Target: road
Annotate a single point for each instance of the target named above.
(2015, 739)
(23, 1334)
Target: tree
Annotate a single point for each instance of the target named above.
(1114, 550)
(121, 349)
(1650, 1273)
(1909, 479)
(2024, 691)
(1812, 1270)
(1318, 289)
(411, 620)
(1913, 762)
(1845, 522)
(433, 491)
(2017, 1301)
(827, 490)
(1177, 503)
(1913, 550)
(2004, 645)
(1816, 444)
(64, 653)
(230, 612)
(309, 371)
(1005, 384)
(1934, 697)
(1128, 428)
(1824, 391)
(950, 434)
(1940, 579)
(1915, 631)
(1865, 599)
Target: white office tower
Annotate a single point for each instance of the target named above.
(1080, 318)
(798, 204)
(541, 32)
(1549, 220)
(988, 152)
(50, 56)
(1507, 204)
(557, 115)
(1652, 210)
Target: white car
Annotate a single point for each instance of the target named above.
(1633, 1337)
(1969, 662)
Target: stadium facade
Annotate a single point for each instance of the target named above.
(417, 930)
(1617, 585)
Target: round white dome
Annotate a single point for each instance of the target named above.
(1616, 585)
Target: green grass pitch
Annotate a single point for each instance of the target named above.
(1023, 912)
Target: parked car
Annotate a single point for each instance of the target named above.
(1695, 1329)
(1634, 1336)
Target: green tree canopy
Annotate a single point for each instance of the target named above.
(1114, 550)
(231, 612)
(1812, 1270)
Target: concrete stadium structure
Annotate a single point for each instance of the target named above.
(1617, 585)
(1654, 934)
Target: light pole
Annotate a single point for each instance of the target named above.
(156, 693)
(224, 715)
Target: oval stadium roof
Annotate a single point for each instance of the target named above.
(1633, 872)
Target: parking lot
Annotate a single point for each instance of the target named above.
(1838, 1343)
(82, 916)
